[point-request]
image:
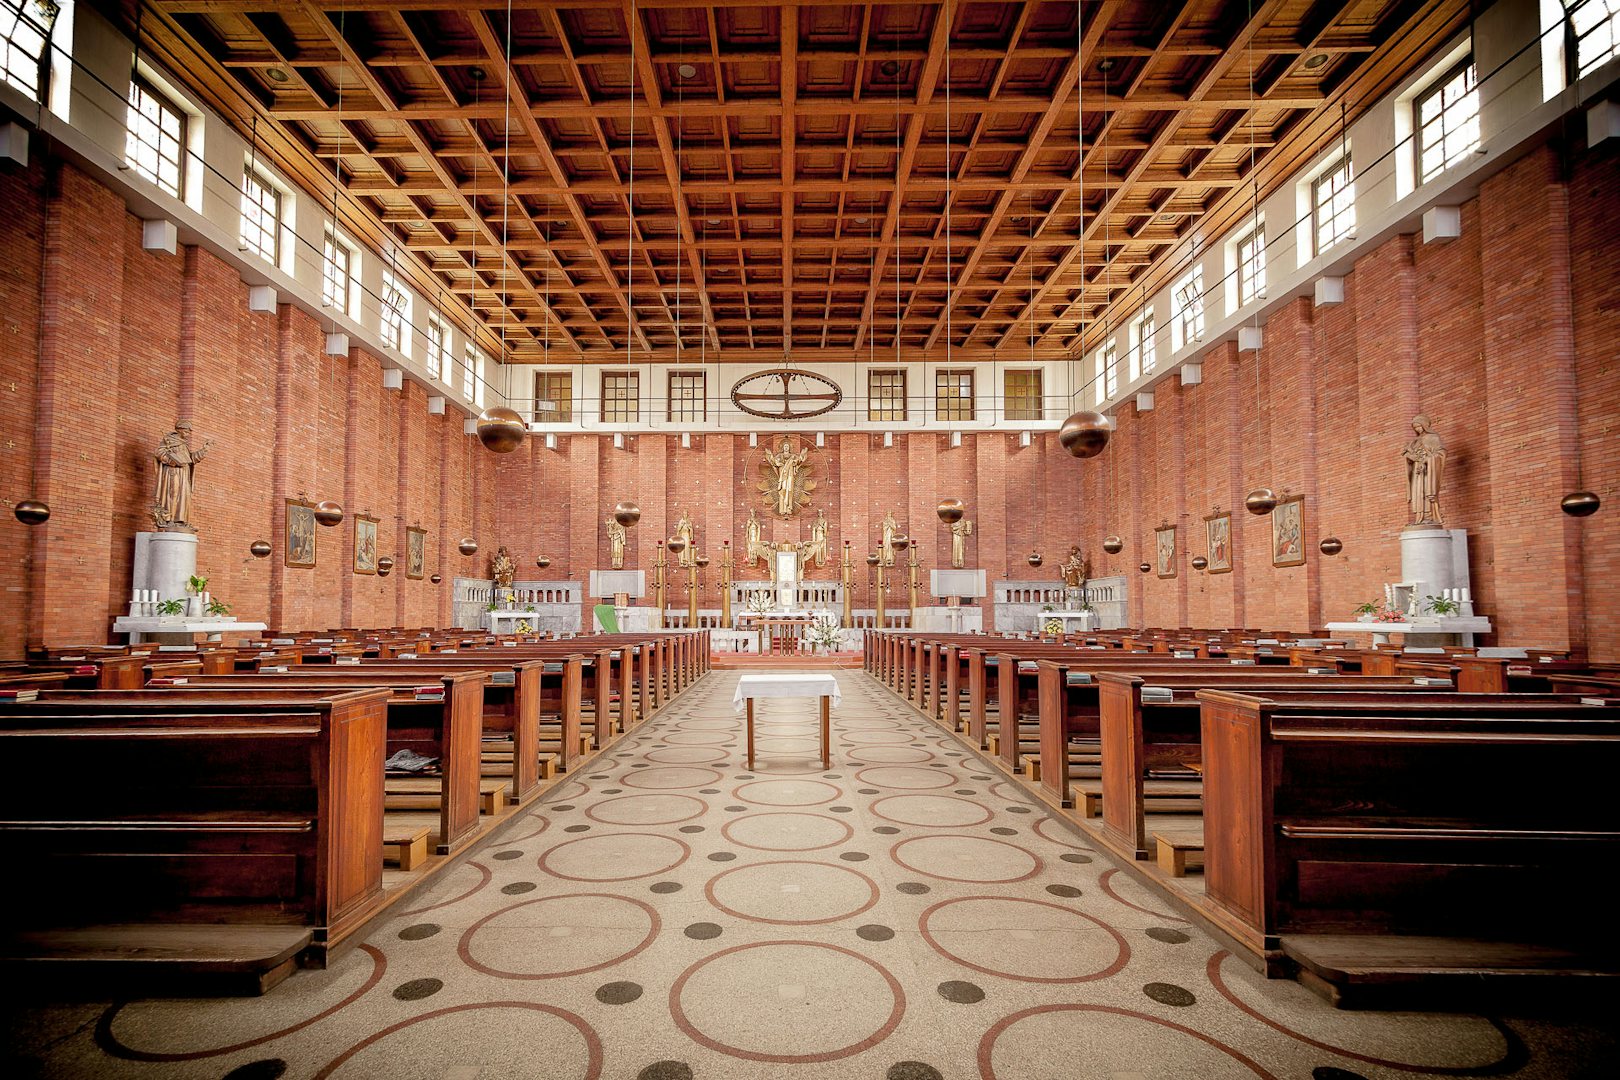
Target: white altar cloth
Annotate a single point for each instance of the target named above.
(783, 684)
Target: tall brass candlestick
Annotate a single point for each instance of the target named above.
(849, 598)
(911, 570)
(658, 587)
(879, 614)
(692, 593)
(725, 586)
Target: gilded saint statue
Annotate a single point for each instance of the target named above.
(786, 484)
(1076, 569)
(176, 460)
(960, 531)
(1425, 467)
(813, 552)
(891, 528)
(754, 546)
(502, 569)
(616, 538)
(684, 530)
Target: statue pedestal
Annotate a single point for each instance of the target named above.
(1434, 560)
(164, 561)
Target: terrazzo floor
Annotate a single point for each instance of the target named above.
(670, 915)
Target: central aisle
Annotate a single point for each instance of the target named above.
(908, 914)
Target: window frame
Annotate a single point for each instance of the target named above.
(1437, 89)
(472, 371)
(437, 337)
(39, 71)
(620, 398)
(395, 322)
(1108, 368)
(1032, 396)
(136, 120)
(951, 410)
(1608, 20)
(688, 413)
(334, 243)
(1187, 310)
(1144, 352)
(251, 178)
(886, 407)
(1251, 271)
(564, 411)
(1342, 164)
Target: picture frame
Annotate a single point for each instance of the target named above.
(1218, 542)
(1164, 551)
(1288, 532)
(415, 552)
(298, 535)
(365, 544)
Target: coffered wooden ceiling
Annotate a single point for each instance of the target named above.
(615, 180)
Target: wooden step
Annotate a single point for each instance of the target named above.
(405, 845)
(424, 793)
(249, 957)
(1170, 796)
(1176, 849)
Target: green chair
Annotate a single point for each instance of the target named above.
(608, 617)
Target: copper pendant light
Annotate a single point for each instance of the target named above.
(501, 429)
(1260, 501)
(702, 561)
(626, 513)
(259, 549)
(899, 541)
(1145, 567)
(33, 512)
(1086, 433)
(1113, 545)
(1035, 558)
(1575, 504)
(675, 544)
(468, 546)
(950, 511)
(542, 561)
(872, 560)
(1199, 562)
(385, 565)
(1331, 545)
(329, 513)
(435, 579)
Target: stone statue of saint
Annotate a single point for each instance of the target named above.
(960, 531)
(813, 552)
(502, 569)
(753, 540)
(1425, 467)
(786, 465)
(1076, 569)
(890, 528)
(684, 530)
(616, 538)
(176, 459)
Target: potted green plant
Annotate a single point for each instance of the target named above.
(1443, 607)
(170, 608)
(1366, 612)
(217, 607)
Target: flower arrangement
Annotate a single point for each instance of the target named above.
(825, 634)
(1369, 609)
(759, 601)
(523, 627)
(1389, 615)
(196, 584)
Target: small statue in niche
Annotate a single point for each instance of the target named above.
(1425, 459)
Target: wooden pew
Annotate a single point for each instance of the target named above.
(222, 840)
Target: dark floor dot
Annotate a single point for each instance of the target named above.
(1167, 935)
(665, 886)
(736, 809)
(504, 855)
(965, 791)
(1331, 1072)
(854, 856)
(638, 765)
(936, 764)
(886, 830)
(1002, 830)
(913, 1070)
(618, 993)
(1074, 857)
(979, 778)
(963, 993)
(833, 776)
(745, 776)
(577, 828)
(666, 1070)
(419, 931)
(612, 790)
(417, 989)
(912, 888)
(263, 1069)
(873, 932)
(1063, 890)
(1017, 809)
(518, 888)
(840, 809)
(1168, 994)
(691, 828)
(954, 753)
(600, 776)
(563, 806)
(709, 791)
(722, 856)
(868, 791)
(703, 931)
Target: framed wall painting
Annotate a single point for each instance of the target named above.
(1164, 551)
(1288, 532)
(1218, 541)
(298, 543)
(365, 544)
(415, 552)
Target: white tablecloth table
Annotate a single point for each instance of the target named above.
(789, 685)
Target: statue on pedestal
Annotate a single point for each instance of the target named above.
(502, 569)
(684, 530)
(754, 545)
(813, 552)
(1425, 467)
(1076, 569)
(787, 484)
(176, 460)
(616, 538)
(960, 531)
(890, 528)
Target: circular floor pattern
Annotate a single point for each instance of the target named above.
(786, 792)
(687, 755)
(974, 859)
(823, 1002)
(441, 1041)
(1443, 1042)
(1046, 829)
(669, 777)
(712, 724)
(178, 1025)
(699, 738)
(615, 856)
(905, 779)
(888, 755)
(1047, 1041)
(557, 936)
(941, 811)
(647, 810)
(1125, 891)
(1026, 940)
(786, 831)
(877, 738)
(478, 870)
(792, 892)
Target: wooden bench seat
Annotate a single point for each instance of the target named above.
(244, 958)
